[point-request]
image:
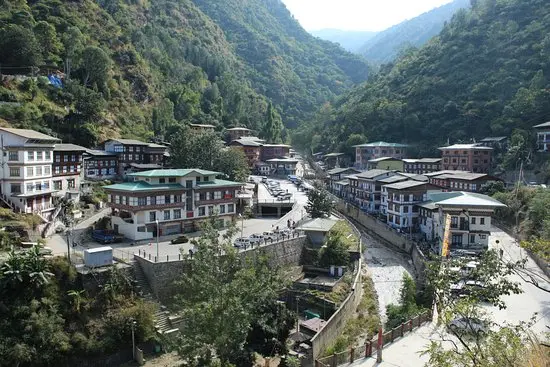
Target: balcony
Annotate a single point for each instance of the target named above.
(460, 227)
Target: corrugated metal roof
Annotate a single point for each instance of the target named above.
(373, 173)
(338, 170)
(546, 124)
(381, 144)
(129, 141)
(465, 146)
(68, 148)
(29, 134)
(404, 185)
(173, 172)
(318, 225)
(143, 186)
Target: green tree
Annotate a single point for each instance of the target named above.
(273, 125)
(319, 202)
(220, 299)
(73, 43)
(192, 150)
(334, 251)
(407, 307)
(96, 65)
(233, 163)
(163, 116)
(49, 43)
(18, 47)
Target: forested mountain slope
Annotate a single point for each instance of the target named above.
(294, 69)
(349, 40)
(415, 32)
(487, 73)
(138, 68)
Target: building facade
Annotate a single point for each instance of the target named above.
(368, 189)
(130, 151)
(543, 136)
(100, 165)
(387, 163)
(236, 133)
(380, 149)
(250, 148)
(282, 166)
(333, 160)
(170, 201)
(467, 157)
(270, 151)
(422, 165)
(461, 181)
(202, 128)
(337, 174)
(402, 199)
(27, 170)
(67, 170)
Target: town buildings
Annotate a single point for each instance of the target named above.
(467, 157)
(26, 181)
(366, 152)
(67, 170)
(282, 166)
(460, 180)
(367, 190)
(250, 148)
(543, 136)
(235, 133)
(387, 163)
(131, 152)
(422, 165)
(270, 151)
(170, 201)
(495, 142)
(100, 165)
(333, 160)
(337, 174)
(202, 128)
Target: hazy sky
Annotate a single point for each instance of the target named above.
(369, 15)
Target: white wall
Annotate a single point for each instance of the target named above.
(129, 230)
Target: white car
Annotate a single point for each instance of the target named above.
(270, 236)
(242, 242)
(256, 238)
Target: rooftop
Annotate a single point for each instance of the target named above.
(143, 186)
(283, 160)
(393, 179)
(145, 165)
(471, 199)
(129, 141)
(430, 205)
(69, 148)
(333, 155)
(373, 173)
(246, 143)
(344, 182)
(277, 145)
(318, 225)
(546, 124)
(218, 183)
(339, 170)
(465, 147)
(461, 175)
(381, 144)
(173, 172)
(493, 138)
(96, 152)
(405, 185)
(155, 145)
(381, 159)
(254, 138)
(439, 173)
(238, 129)
(205, 126)
(28, 133)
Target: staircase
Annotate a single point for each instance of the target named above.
(162, 323)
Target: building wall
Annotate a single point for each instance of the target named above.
(543, 140)
(100, 168)
(390, 165)
(473, 160)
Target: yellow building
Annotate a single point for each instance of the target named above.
(387, 163)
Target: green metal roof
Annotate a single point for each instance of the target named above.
(381, 144)
(173, 173)
(218, 183)
(143, 186)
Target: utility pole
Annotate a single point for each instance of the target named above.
(69, 246)
(133, 340)
(158, 234)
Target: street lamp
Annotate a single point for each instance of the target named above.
(134, 323)
(242, 223)
(158, 234)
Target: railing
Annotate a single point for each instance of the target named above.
(371, 347)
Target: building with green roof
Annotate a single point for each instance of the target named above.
(380, 149)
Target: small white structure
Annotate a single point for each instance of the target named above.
(97, 257)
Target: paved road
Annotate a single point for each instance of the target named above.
(521, 307)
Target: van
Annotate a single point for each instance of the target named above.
(264, 179)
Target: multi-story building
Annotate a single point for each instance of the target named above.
(470, 219)
(67, 170)
(26, 182)
(460, 180)
(270, 151)
(202, 128)
(337, 174)
(543, 136)
(170, 201)
(387, 163)
(466, 157)
(366, 152)
(333, 160)
(368, 189)
(402, 197)
(283, 166)
(130, 151)
(499, 143)
(398, 177)
(250, 148)
(236, 133)
(422, 165)
(156, 154)
(100, 165)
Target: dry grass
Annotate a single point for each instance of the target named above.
(538, 355)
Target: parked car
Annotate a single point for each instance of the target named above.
(285, 196)
(467, 325)
(106, 236)
(264, 179)
(256, 238)
(242, 242)
(270, 236)
(180, 239)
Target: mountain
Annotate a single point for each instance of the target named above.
(142, 68)
(486, 74)
(349, 40)
(385, 45)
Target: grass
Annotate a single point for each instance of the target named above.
(362, 327)
(351, 240)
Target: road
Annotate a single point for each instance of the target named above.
(521, 307)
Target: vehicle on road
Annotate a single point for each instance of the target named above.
(270, 236)
(180, 239)
(256, 237)
(106, 236)
(264, 179)
(242, 242)
(285, 196)
(467, 325)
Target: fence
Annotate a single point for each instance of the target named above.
(371, 347)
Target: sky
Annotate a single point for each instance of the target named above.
(363, 15)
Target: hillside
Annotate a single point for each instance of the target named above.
(386, 45)
(349, 40)
(297, 71)
(486, 74)
(139, 68)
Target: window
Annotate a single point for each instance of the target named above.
(48, 155)
(152, 216)
(217, 195)
(222, 209)
(198, 179)
(172, 179)
(167, 199)
(71, 183)
(454, 222)
(30, 187)
(167, 215)
(113, 163)
(15, 188)
(73, 158)
(45, 185)
(30, 156)
(142, 201)
(177, 213)
(202, 211)
(210, 210)
(483, 236)
(58, 170)
(130, 157)
(13, 156)
(405, 209)
(39, 156)
(205, 179)
(65, 169)
(39, 171)
(230, 208)
(65, 157)
(456, 239)
(131, 149)
(189, 184)
(473, 220)
(15, 171)
(160, 200)
(202, 196)
(58, 185)
(162, 180)
(472, 238)
(38, 186)
(482, 221)
(177, 198)
(189, 203)
(153, 200)
(30, 171)
(47, 170)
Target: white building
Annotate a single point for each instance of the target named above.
(470, 219)
(26, 175)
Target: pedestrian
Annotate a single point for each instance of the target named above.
(293, 225)
(288, 223)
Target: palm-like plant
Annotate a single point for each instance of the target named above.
(77, 298)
